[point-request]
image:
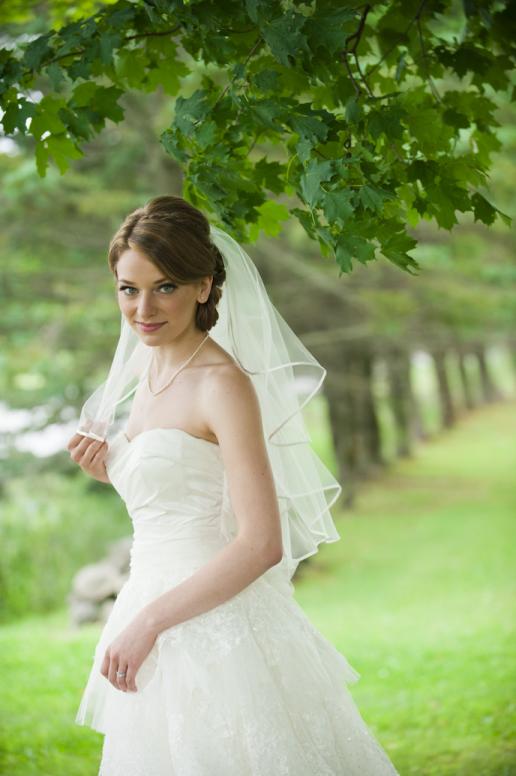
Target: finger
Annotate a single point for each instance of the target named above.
(130, 680)
(113, 668)
(104, 668)
(99, 454)
(85, 451)
(121, 680)
(74, 441)
(79, 449)
(90, 453)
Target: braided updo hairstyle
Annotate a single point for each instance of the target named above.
(175, 236)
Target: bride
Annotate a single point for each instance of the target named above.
(206, 665)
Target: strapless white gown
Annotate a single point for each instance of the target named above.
(248, 688)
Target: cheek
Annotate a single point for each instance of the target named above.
(126, 302)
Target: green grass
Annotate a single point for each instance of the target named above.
(418, 595)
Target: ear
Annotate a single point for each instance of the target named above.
(205, 288)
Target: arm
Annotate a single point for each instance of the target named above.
(236, 421)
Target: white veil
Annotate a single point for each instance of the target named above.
(285, 375)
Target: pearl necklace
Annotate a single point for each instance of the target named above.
(155, 393)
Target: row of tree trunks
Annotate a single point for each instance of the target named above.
(487, 391)
(353, 410)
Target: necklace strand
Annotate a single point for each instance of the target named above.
(155, 393)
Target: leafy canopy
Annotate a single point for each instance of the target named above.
(358, 119)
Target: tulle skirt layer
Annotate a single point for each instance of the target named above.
(249, 688)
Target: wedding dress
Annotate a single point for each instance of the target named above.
(248, 688)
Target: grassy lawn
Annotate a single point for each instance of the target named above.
(418, 594)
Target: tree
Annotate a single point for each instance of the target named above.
(358, 120)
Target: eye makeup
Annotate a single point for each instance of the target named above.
(163, 285)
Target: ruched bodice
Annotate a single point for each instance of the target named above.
(174, 488)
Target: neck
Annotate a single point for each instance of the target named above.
(173, 354)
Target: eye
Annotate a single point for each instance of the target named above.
(169, 286)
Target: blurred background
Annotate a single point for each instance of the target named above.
(416, 418)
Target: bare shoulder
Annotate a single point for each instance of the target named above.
(224, 373)
(228, 382)
(230, 404)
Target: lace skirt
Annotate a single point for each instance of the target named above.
(248, 688)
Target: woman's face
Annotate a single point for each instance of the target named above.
(145, 295)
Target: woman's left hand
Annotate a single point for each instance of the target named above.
(126, 653)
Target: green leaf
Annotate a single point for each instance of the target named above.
(16, 115)
(310, 181)
(267, 80)
(386, 121)
(191, 110)
(373, 199)
(430, 133)
(46, 118)
(395, 247)
(62, 150)
(354, 110)
(482, 209)
(173, 145)
(131, 66)
(168, 76)
(311, 128)
(456, 119)
(284, 37)
(327, 29)
(78, 122)
(107, 42)
(337, 206)
(307, 221)
(37, 51)
(252, 9)
(104, 102)
(271, 214)
(56, 75)
(207, 134)
(350, 246)
(83, 94)
(41, 153)
(270, 175)
(267, 113)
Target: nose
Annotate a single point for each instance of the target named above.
(146, 307)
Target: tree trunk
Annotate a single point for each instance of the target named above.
(369, 420)
(402, 399)
(489, 390)
(445, 397)
(339, 423)
(418, 425)
(354, 424)
(467, 388)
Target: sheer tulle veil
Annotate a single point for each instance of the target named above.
(286, 376)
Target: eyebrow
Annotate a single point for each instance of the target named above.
(121, 280)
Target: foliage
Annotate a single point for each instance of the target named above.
(48, 530)
(358, 120)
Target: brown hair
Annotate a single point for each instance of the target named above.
(176, 238)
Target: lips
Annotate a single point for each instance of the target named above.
(151, 326)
